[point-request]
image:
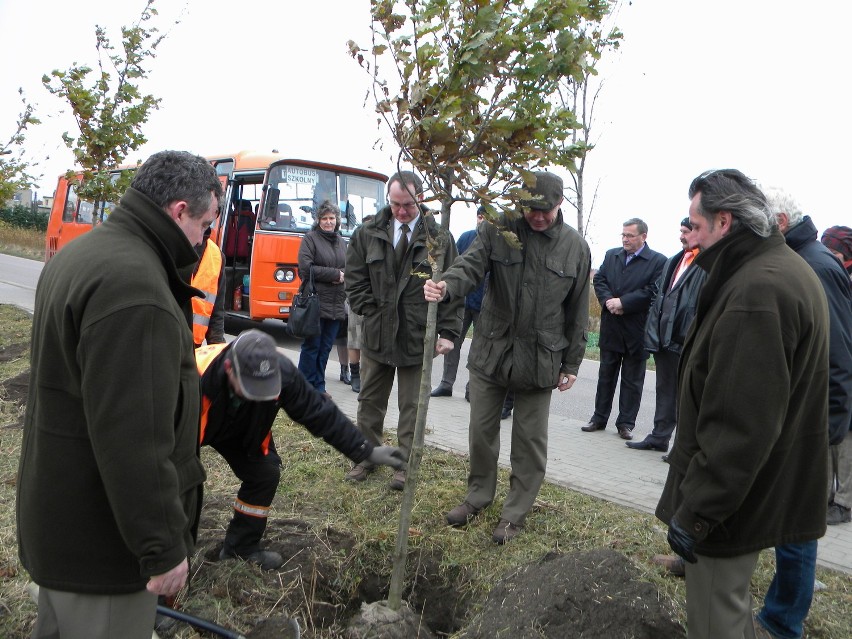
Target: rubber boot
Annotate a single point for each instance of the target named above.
(355, 377)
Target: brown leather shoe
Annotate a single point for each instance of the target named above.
(505, 532)
(591, 427)
(672, 563)
(359, 472)
(461, 515)
(625, 433)
(398, 481)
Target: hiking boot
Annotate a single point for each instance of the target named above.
(838, 514)
(359, 472)
(672, 563)
(266, 559)
(505, 532)
(355, 377)
(462, 515)
(398, 481)
(345, 377)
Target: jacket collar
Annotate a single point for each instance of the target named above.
(803, 233)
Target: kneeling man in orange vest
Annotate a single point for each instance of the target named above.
(243, 385)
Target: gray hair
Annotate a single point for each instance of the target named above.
(172, 176)
(640, 225)
(780, 201)
(324, 209)
(730, 190)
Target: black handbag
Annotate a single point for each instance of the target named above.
(305, 311)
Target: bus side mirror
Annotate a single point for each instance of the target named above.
(270, 204)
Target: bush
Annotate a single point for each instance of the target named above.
(24, 217)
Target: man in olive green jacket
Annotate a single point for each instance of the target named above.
(530, 339)
(385, 263)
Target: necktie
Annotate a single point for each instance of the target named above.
(628, 258)
(401, 245)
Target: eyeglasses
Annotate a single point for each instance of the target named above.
(408, 206)
(629, 236)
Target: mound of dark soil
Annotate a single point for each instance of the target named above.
(594, 595)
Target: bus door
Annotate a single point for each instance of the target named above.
(235, 236)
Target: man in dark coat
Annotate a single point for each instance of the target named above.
(109, 480)
(789, 596)
(386, 261)
(243, 385)
(668, 323)
(625, 285)
(749, 464)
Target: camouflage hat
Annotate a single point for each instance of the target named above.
(546, 192)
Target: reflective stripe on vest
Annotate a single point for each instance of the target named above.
(206, 279)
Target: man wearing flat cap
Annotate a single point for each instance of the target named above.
(530, 339)
(243, 386)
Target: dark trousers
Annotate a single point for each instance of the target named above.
(451, 359)
(315, 350)
(259, 475)
(632, 378)
(665, 415)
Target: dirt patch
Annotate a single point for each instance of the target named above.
(13, 351)
(595, 595)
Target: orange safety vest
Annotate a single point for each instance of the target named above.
(206, 279)
(204, 356)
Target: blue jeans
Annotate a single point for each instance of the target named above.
(315, 350)
(789, 596)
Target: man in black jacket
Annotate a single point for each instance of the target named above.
(243, 386)
(625, 284)
(668, 322)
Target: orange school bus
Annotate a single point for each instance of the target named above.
(267, 209)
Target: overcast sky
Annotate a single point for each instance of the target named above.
(755, 85)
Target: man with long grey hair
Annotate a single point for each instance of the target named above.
(748, 466)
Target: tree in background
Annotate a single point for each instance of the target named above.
(111, 110)
(14, 168)
(580, 96)
(468, 97)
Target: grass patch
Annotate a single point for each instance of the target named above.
(21, 242)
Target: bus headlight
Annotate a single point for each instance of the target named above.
(284, 275)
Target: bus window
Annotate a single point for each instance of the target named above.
(70, 204)
(303, 189)
(359, 196)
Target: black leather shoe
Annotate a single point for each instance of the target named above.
(591, 427)
(442, 390)
(624, 432)
(506, 414)
(646, 445)
(665, 458)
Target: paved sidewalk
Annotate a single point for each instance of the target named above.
(597, 464)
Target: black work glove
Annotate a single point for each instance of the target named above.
(681, 542)
(388, 456)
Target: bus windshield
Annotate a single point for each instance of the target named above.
(303, 189)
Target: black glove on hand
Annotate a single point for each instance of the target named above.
(681, 542)
(388, 456)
